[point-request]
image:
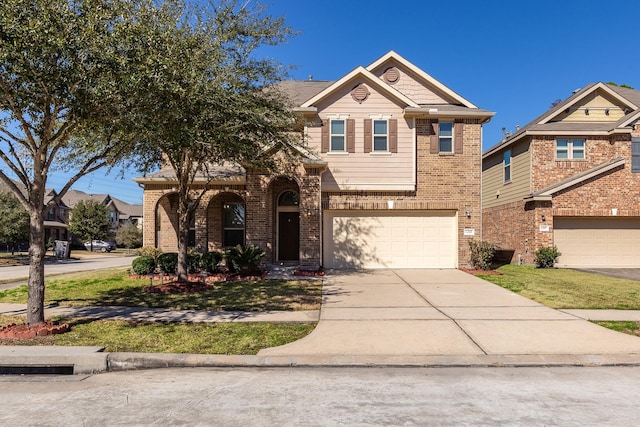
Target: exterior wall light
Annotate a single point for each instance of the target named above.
(543, 218)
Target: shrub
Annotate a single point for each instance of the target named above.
(244, 260)
(149, 251)
(210, 261)
(193, 262)
(168, 262)
(546, 257)
(143, 265)
(482, 254)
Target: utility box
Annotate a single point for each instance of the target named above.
(62, 249)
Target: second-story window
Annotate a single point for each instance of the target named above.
(507, 166)
(380, 135)
(445, 137)
(51, 215)
(338, 135)
(569, 149)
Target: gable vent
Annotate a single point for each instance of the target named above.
(391, 75)
(360, 93)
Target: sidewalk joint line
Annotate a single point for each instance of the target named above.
(441, 312)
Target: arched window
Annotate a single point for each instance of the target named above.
(289, 198)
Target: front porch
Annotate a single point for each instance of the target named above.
(280, 214)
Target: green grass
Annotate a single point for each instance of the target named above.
(565, 288)
(115, 288)
(147, 337)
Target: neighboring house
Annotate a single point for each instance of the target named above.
(391, 178)
(570, 178)
(119, 212)
(55, 221)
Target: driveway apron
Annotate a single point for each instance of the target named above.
(442, 312)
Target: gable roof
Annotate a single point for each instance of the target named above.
(543, 124)
(426, 78)
(367, 75)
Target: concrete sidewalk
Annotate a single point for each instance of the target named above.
(166, 315)
(400, 318)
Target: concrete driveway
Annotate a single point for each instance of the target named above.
(442, 312)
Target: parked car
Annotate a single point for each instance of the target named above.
(100, 245)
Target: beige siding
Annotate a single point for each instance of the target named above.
(410, 85)
(360, 170)
(597, 105)
(495, 191)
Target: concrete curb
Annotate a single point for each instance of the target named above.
(92, 360)
(138, 361)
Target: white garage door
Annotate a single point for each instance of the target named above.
(597, 242)
(396, 239)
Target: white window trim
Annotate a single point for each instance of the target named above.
(374, 134)
(344, 136)
(453, 132)
(570, 150)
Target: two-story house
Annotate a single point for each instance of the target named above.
(391, 178)
(570, 178)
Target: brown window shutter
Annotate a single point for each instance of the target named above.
(458, 137)
(324, 145)
(393, 135)
(351, 136)
(434, 149)
(368, 137)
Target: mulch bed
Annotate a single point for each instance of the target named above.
(309, 273)
(195, 282)
(14, 331)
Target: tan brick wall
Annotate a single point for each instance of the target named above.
(444, 182)
(259, 196)
(516, 226)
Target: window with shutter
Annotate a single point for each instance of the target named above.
(635, 154)
(445, 137)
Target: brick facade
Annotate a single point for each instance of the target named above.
(518, 226)
(258, 195)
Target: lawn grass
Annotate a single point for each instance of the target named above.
(156, 337)
(116, 288)
(565, 288)
(627, 327)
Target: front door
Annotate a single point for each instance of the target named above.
(288, 236)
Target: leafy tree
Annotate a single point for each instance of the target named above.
(89, 220)
(129, 235)
(214, 100)
(14, 226)
(68, 74)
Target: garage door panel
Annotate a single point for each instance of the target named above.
(401, 239)
(597, 242)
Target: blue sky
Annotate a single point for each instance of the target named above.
(511, 57)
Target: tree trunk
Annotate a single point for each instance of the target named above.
(183, 240)
(35, 298)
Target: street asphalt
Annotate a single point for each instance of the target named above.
(381, 318)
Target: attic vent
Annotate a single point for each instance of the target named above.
(391, 75)
(360, 93)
